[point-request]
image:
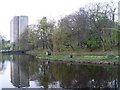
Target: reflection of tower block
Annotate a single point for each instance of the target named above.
(19, 76)
(119, 12)
(0, 40)
(1, 47)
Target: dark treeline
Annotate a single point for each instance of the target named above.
(91, 28)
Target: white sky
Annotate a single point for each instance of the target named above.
(36, 9)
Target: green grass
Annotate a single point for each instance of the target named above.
(78, 57)
(97, 58)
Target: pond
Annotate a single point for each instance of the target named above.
(25, 71)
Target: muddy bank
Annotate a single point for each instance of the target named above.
(83, 61)
(75, 53)
(106, 62)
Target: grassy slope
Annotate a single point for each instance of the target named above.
(103, 58)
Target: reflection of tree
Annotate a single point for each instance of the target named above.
(41, 71)
(72, 75)
(33, 69)
(2, 61)
(2, 66)
(45, 76)
(102, 75)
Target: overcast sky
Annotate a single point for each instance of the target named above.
(36, 9)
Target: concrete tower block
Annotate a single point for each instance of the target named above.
(119, 12)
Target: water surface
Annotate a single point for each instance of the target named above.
(24, 71)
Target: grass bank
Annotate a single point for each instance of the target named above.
(82, 59)
(87, 57)
(111, 58)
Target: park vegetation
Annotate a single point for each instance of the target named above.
(4, 44)
(91, 28)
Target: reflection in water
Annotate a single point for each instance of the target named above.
(2, 67)
(26, 71)
(19, 71)
(68, 75)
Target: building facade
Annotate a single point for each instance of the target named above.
(0, 46)
(0, 42)
(17, 26)
(119, 12)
